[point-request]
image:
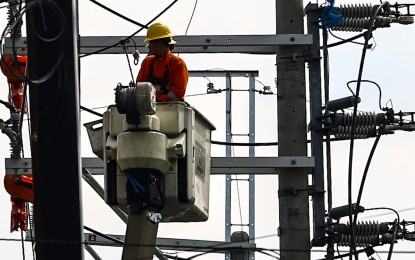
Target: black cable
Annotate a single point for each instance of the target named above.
(345, 40)
(61, 34)
(338, 251)
(268, 254)
(395, 225)
(23, 252)
(366, 170)
(191, 17)
(118, 14)
(117, 241)
(132, 35)
(91, 111)
(8, 105)
(353, 126)
(368, 81)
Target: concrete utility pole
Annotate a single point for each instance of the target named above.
(54, 107)
(292, 135)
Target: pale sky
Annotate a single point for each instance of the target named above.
(390, 64)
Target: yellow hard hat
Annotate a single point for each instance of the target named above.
(159, 31)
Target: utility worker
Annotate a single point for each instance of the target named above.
(167, 72)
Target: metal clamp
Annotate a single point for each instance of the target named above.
(292, 191)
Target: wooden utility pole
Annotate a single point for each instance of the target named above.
(52, 31)
(294, 223)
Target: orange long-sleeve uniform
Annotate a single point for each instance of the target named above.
(168, 75)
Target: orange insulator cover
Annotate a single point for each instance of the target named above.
(13, 70)
(19, 186)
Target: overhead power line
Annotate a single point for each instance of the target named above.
(132, 35)
(191, 17)
(118, 14)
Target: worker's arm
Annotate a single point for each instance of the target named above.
(178, 82)
(144, 71)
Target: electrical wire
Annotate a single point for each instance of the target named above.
(351, 39)
(118, 14)
(380, 215)
(132, 35)
(91, 111)
(96, 108)
(117, 241)
(366, 170)
(264, 252)
(191, 18)
(212, 249)
(350, 170)
(368, 81)
(190, 21)
(194, 95)
(338, 251)
(345, 40)
(61, 34)
(23, 251)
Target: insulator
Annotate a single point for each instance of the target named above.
(31, 218)
(367, 119)
(15, 145)
(12, 16)
(360, 241)
(356, 11)
(351, 24)
(342, 103)
(369, 228)
(345, 132)
(14, 121)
